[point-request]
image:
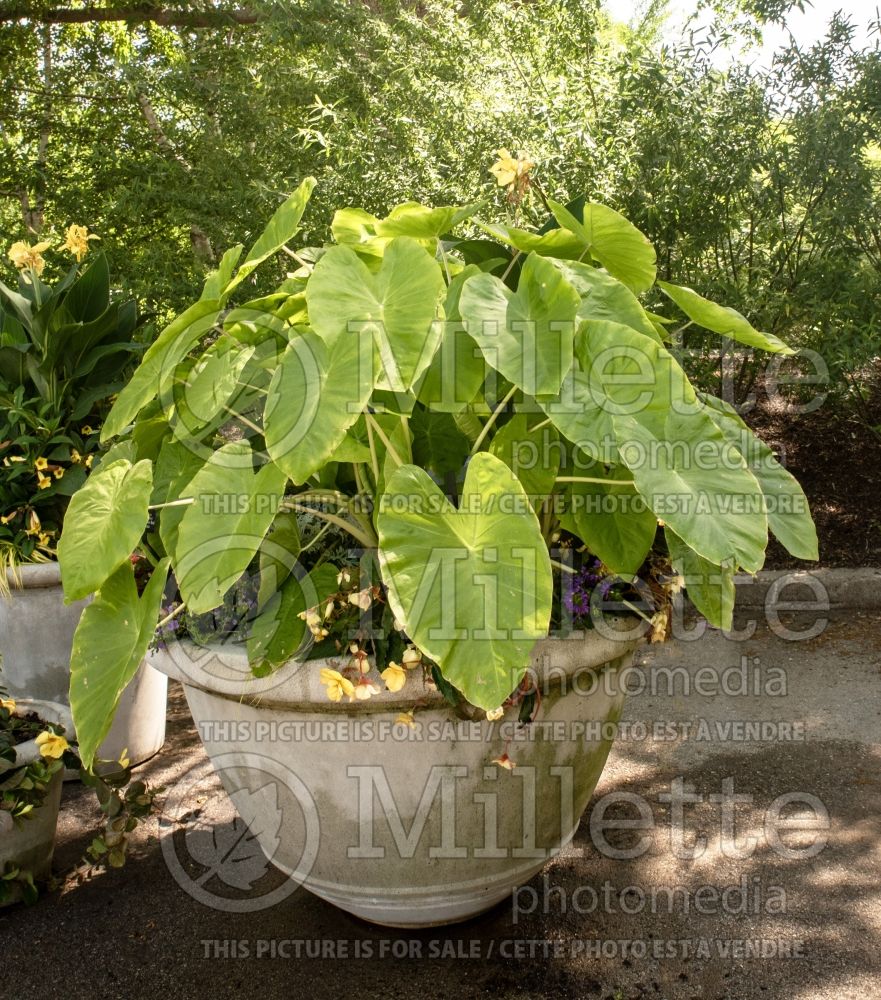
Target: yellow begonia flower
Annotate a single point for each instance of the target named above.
(337, 685)
(43, 482)
(411, 658)
(77, 241)
(508, 169)
(41, 463)
(51, 745)
(365, 689)
(395, 676)
(405, 719)
(494, 713)
(8, 704)
(24, 255)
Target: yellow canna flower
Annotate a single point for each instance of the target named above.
(509, 170)
(24, 255)
(51, 745)
(336, 684)
(43, 482)
(405, 719)
(41, 463)
(8, 704)
(395, 676)
(77, 241)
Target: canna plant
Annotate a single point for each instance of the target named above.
(406, 454)
(64, 349)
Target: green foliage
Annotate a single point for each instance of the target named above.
(64, 350)
(573, 419)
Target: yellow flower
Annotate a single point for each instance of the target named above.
(14, 458)
(8, 704)
(405, 719)
(87, 461)
(43, 540)
(411, 658)
(495, 713)
(508, 170)
(6, 518)
(75, 456)
(337, 685)
(77, 241)
(43, 482)
(34, 526)
(41, 463)
(395, 676)
(24, 255)
(51, 745)
(365, 689)
(58, 472)
(659, 626)
(86, 429)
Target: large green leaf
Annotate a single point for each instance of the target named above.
(217, 281)
(158, 364)
(690, 475)
(458, 368)
(89, 296)
(710, 587)
(578, 413)
(614, 241)
(397, 306)
(531, 453)
(282, 227)
(472, 585)
(208, 387)
(438, 444)
(278, 631)
(612, 519)
(222, 529)
(278, 555)
(604, 297)
(789, 514)
(102, 526)
(526, 335)
(722, 319)
(317, 393)
(110, 641)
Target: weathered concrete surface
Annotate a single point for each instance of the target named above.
(137, 933)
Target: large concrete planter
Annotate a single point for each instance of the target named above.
(399, 826)
(36, 634)
(30, 844)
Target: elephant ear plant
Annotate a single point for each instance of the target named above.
(419, 451)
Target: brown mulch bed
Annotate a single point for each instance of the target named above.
(836, 457)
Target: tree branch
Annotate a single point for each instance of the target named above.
(168, 18)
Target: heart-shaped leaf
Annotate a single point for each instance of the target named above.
(222, 529)
(317, 393)
(397, 306)
(103, 524)
(110, 641)
(526, 335)
(710, 587)
(472, 585)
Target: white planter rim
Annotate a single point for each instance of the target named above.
(34, 576)
(223, 670)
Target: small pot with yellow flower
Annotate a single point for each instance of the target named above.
(33, 755)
